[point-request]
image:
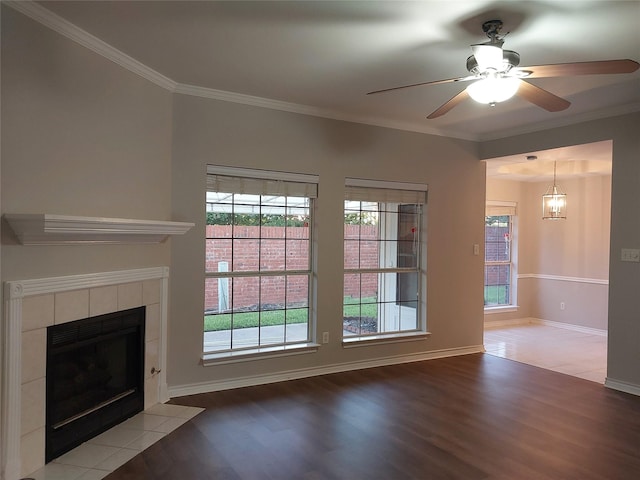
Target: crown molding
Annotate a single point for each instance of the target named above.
(561, 278)
(64, 27)
(614, 111)
(226, 96)
(47, 229)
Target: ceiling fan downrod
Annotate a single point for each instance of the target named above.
(492, 29)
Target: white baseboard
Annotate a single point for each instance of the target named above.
(570, 326)
(622, 386)
(214, 386)
(507, 323)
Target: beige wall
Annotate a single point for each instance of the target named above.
(80, 136)
(222, 133)
(624, 277)
(575, 251)
(579, 245)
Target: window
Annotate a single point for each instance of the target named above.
(498, 267)
(384, 259)
(258, 259)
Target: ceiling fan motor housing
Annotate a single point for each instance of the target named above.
(510, 59)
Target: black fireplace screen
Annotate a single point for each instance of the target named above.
(95, 377)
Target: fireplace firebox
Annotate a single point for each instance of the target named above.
(95, 377)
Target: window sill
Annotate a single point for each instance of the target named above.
(383, 339)
(503, 309)
(221, 358)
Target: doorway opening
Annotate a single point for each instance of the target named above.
(553, 311)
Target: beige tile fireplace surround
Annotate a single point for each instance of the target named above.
(33, 305)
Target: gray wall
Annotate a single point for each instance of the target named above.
(80, 136)
(624, 278)
(221, 133)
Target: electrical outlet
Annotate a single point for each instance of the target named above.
(325, 337)
(476, 249)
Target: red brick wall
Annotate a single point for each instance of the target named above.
(272, 257)
(496, 250)
(361, 254)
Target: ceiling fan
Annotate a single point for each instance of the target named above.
(496, 76)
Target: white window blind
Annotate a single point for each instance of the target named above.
(386, 192)
(261, 182)
(496, 209)
(260, 186)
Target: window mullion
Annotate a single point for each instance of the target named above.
(286, 277)
(260, 273)
(233, 283)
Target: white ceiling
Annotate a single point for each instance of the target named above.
(586, 160)
(323, 56)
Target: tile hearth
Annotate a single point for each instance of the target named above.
(95, 459)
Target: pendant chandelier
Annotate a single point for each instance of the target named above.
(554, 202)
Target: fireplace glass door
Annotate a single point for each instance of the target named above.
(95, 374)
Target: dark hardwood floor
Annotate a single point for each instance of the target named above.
(468, 417)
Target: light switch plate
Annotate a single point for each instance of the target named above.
(630, 255)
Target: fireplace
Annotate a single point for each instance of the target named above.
(95, 377)
(32, 306)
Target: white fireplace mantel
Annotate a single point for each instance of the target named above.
(49, 229)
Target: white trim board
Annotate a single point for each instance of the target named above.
(42, 286)
(214, 386)
(507, 323)
(49, 229)
(548, 323)
(622, 386)
(570, 326)
(560, 278)
(58, 24)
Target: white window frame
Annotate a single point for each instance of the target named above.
(275, 179)
(387, 286)
(506, 208)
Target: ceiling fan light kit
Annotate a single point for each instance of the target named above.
(496, 76)
(492, 90)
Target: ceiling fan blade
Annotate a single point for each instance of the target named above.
(437, 82)
(541, 97)
(582, 68)
(459, 98)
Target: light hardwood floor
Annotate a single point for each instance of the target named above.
(582, 355)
